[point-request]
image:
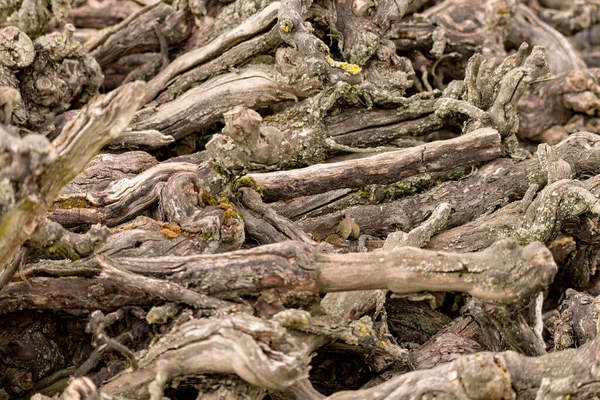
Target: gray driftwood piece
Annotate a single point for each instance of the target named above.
(477, 147)
(495, 375)
(51, 166)
(492, 186)
(504, 273)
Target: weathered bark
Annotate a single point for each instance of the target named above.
(104, 14)
(204, 105)
(275, 228)
(464, 28)
(120, 200)
(449, 344)
(252, 26)
(274, 362)
(298, 272)
(52, 237)
(541, 220)
(495, 375)
(137, 34)
(235, 56)
(576, 322)
(414, 322)
(34, 16)
(389, 167)
(52, 74)
(489, 374)
(568, 101)
(494, 185)
(51, 166)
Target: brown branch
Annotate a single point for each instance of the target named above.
(52, 237)
(256, 209)
(483, 145)
(101, 15)
(249, 28)
(99, 122)
(166, 290)
(121, 200)
(258, 351)
(539, 221)
(502, 180)
(136, 34)
(504, 273)
(205, 104)
(577, 320)
(235, 56)
(495, 375)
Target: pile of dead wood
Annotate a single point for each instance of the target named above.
(299, 199)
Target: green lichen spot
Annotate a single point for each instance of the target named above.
(364, 194)
(221, 171)
(71, 203)
(334, 240)
(63, 252)
(209, 199)
(249, 182)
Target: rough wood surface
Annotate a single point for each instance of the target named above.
(244, 199)
(384, 168)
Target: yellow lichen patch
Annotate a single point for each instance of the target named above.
(364, 329)
(351, 68)
(63, 252)
(170, 231)
(286, 25)
(131, 225)
(225, 203)
(230, 214)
